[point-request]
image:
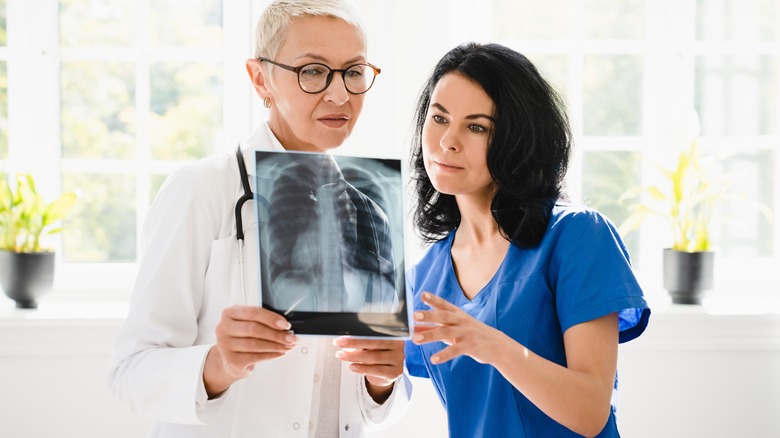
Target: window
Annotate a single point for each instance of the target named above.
(631, 73)
(107, 97)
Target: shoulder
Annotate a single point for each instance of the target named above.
(436, 254)
(572, 219)
(204, 175)
(203, 185)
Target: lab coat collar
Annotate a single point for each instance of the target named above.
(262, 139)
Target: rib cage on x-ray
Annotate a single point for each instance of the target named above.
(329, 245)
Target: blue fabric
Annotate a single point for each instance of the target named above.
(580, 271)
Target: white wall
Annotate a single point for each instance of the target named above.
(692, 374)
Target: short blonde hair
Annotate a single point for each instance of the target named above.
(272, 26)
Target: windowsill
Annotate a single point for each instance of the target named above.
(111, 307)
(67, 324)
(80, 310)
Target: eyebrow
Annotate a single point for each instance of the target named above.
(324, 60)
(468, 117)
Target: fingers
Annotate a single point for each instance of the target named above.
(380, 360)
(368, 344)
(247, 335)
(371, 357)
(443, 311)
(445, 355)
(437, 302)
(422, 328)
(251, 336)
(254, 345)
(426, 334)
(257, 314)
(446, 323)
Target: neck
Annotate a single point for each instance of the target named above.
(477, 224)
(287, 137)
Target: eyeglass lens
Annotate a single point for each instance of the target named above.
(314, 78)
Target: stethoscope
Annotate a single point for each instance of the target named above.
(239, 221)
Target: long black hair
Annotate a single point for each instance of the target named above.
(528, 152)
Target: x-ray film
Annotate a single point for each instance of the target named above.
(331, 246)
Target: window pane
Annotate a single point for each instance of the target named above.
(737, 95)
(741, 230)
(530, 19)
(2, 23)
(745, 20)
(555, 70)
(98, 118)
(155, 183)
(98, 23)
(196, 23)
(605, 177)
(608, 19)
(186, 110)
(612, 95)
(101, 227)
(3, 111)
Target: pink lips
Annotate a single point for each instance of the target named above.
(334, 120)
(446, 167)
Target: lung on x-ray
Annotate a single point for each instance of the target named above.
(331, 246)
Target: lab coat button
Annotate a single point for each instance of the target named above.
(304, 350)
(346, 427)
(296, 425)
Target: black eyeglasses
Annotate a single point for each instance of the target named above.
(315, 77)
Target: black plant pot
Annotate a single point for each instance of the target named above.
(24, 277)
(688, 275)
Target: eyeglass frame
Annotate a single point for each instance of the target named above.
(329, 79)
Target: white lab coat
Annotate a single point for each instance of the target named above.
(189, 272)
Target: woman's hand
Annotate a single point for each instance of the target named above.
(462, 333)
(246, 335)
(380, 361)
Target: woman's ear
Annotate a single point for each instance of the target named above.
(257, 74)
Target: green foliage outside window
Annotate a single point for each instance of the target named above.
(178, 116)
(3, 25)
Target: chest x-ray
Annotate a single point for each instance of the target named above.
(330, 233)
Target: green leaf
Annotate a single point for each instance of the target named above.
(24, 215)
(59, 208)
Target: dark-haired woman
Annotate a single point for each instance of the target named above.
(522, 298)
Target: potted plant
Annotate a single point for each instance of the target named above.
(26, 264)
(685, 198)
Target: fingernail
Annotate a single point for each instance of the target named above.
(425, 295)
(417, 338)
(435, 359)
(418, 315)
(339, 354)
(290, 338)
(282, 324)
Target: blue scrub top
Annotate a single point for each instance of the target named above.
(579, 272)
